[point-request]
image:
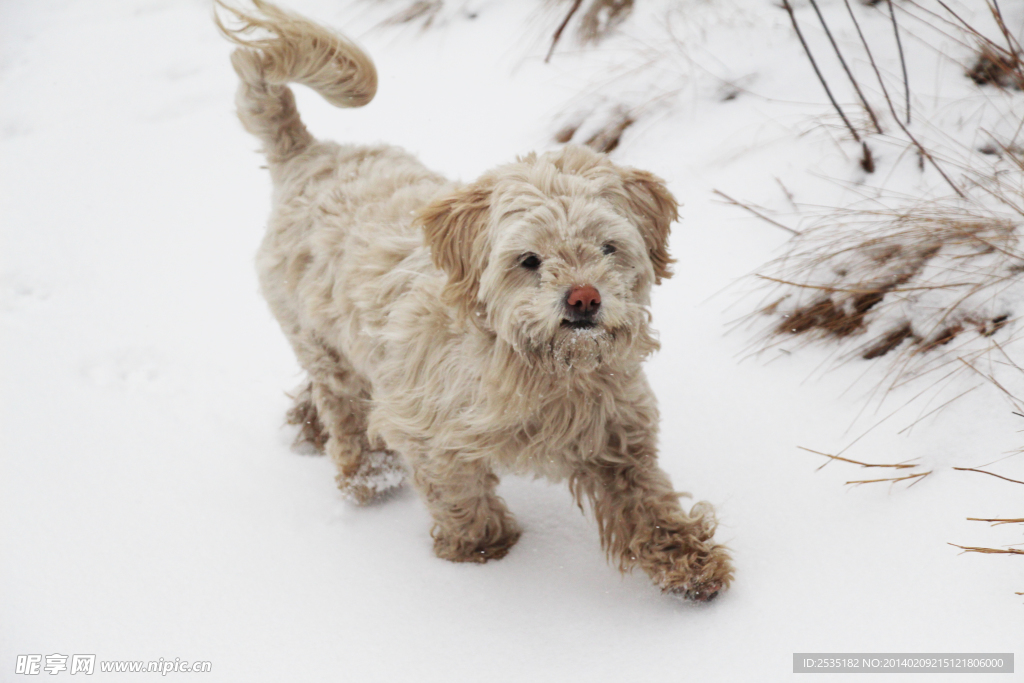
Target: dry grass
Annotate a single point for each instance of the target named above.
(607, 137)
(599, 19)
(997, 66)
(997, 60)
(899, 466)
(917, 278)
(916, 476)
(892, 480)
(989, 551)
(997, 522)
(991, 474)
(422, 12)
(993, 521)
(865, 273)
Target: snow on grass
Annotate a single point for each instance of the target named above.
(151, 506)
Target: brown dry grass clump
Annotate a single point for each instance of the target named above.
(601, 17)
(839, 280)
(604, 139)
(997, 66)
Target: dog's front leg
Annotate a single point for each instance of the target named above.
(471, 522)
(643, 525)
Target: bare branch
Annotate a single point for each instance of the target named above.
(991, 474)
(561, 27)
(796, 27)
(849, 74)
(903, 62)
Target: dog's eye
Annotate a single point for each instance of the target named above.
(608, 249)
(530, 262)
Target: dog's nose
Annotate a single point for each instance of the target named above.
(584, 300)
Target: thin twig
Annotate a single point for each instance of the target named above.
(899, 466)
(903, 62)
(973, 31)
(896, 117)
(998, 14)
(927, 155)
(935, 410)
(997, 522)
(892, 479)
(849, 74)
(957, 16)
(971, 549)
(991, 474)
(796, 27)
(755, 212)
(871, 57)
(561, 27)
(826, 288)
(993, 380)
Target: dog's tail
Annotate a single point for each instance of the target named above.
(294, 50)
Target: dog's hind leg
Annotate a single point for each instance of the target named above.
(339, 400)
(471, 522)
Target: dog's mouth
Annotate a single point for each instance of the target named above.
(578, 324)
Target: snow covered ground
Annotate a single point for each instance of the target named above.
(151, 506)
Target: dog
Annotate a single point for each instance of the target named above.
(457, 331)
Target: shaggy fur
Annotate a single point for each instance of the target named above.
(434, 320)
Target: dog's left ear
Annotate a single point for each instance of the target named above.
(455, 226)
(654, 207)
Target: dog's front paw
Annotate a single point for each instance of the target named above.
(698, 575)
(684, 560)
(456, 548)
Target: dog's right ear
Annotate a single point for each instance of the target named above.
(455, 226)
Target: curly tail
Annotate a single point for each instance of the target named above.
(295, 51)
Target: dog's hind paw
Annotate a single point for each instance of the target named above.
(379, 474)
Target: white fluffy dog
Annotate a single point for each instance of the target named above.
(454, 331)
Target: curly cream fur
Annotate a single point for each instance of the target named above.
(430, 347)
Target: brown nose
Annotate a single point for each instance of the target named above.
(585, 300)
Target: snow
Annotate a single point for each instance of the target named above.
(151, 505)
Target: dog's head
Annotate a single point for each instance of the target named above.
(556, 254)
